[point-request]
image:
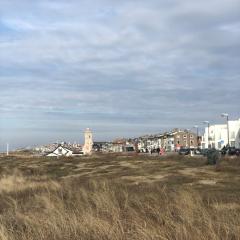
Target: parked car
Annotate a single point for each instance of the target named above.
(233, 151)
(238, 152)
(230, 151)
(198, 151)
(184, 151)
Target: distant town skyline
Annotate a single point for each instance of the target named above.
(122, 68)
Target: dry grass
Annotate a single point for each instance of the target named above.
(83, 202)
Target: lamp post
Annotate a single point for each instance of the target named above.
(196, 126)
(208, 124)
(188, 137)
(227, 117)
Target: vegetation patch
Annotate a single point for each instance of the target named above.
(111, 197)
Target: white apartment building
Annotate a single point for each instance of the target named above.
(218, 135)
(153, 143)
(149, 143)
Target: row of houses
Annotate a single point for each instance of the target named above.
(118, 145)
(215, 136)
(170, 141)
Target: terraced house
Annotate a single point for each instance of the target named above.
(186, 139)
(170, 141)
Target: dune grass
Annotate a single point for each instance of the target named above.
(80, 201)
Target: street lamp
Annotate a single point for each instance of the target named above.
(188, 137)
(208, 124)
(225, 115)
(196, 126)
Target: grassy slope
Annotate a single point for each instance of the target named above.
(117, 197)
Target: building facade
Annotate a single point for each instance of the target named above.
(149, 143)
(218, 135)
(170, 141)
(185, 139)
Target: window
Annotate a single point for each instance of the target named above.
(219, 136)
(232, 143)
(184, 136)
(178, 142)
(191, 142)
(233, 135)
(191, 136)
(178, 136)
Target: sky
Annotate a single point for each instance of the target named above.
(122, 68)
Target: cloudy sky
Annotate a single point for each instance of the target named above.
(122, 68)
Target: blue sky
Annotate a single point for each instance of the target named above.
(122, 68)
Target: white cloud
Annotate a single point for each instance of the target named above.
(119, 62)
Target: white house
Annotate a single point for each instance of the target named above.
(149, 142)
(152, 143)
(218, 135)
(116, 147)
(142, 144)
(63, 151)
